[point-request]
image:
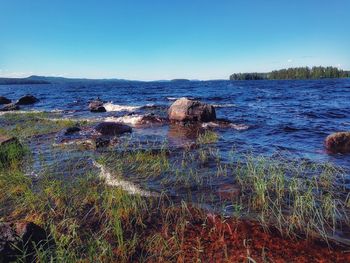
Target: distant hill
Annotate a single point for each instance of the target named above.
(52, 80)
(294, 73)
(13, 81)
(62, 79)
(180, 80)
(55, 80)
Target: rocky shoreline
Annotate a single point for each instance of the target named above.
(183, 111)
(183, 168)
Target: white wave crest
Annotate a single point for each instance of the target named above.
(117, 182)
(238, 127)
(57, 111)
(115, 107)
(128, 119)
(228, 105)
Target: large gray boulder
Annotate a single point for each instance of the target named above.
(27, 100)
(185, 110)
(338, 142)
(4, 100)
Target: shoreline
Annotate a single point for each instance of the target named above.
(78, 205)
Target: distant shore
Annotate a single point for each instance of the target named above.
(294, 74)
(301, 73)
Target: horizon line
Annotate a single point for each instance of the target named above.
(155, 80)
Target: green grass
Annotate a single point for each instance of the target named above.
(208, 137)
(92, 222)
(280, 194)
(25, 125)
(301, 198)
(11, 154)
(87, 220)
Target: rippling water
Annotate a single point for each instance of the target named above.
(271, 118)
(291, 117)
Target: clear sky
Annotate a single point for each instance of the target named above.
(165, 39)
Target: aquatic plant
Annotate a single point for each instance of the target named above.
(298, 197)
(207, 137)
(91, 221)
(25, 125)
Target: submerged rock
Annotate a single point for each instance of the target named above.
(27, 100)
(338, 142)
(71, 130)
(97, 106)
(102, 135)
(10, 107)
(101, 142)
(185, 110)
(16, 237)
(4, 100)
(151, 119)
(112, 128)
(228, 192)
(184, 133)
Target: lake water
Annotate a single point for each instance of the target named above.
(289, 117)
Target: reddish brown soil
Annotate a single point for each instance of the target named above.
(213, 239)
(190, 235)
(243, 239)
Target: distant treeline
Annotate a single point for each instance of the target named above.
(294, 73)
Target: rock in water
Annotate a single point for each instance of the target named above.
(101, 142)
(112, 128)
(71, 130)
(338, 142)
(151, 119)
(17, 237)
(97, 106)
(10, 107)
(185, 110)
(228, 192)
(4, 100)
(27, 100)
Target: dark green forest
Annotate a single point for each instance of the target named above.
(294, 73)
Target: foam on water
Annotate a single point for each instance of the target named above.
(117, 182)
(128, 119)
(115, 107)
(228, 105)
(238, 127)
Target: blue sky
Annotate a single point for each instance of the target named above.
(165, 39)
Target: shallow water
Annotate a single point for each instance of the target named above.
(279, 119)
(290, 117)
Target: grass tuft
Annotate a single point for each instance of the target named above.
(208, 137)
